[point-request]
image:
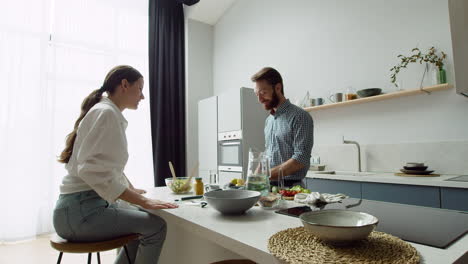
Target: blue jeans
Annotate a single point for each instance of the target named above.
(85, 216)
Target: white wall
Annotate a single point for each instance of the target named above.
(325, 46)
(199, 72)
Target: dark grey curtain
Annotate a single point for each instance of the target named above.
(167, 87)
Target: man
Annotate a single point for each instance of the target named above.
(288, 130)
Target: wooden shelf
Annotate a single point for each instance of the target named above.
(438, 87)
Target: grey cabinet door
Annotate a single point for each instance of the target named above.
(400, 193)
(350, 188)
(229, 111)
(454, 198)
(207, 136)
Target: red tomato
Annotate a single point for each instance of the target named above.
(288, 192)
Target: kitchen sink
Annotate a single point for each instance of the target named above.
(349, 173)
(354, 173)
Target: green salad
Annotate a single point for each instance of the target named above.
(177, 186)
(295, 189)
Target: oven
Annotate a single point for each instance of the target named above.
(230, 151)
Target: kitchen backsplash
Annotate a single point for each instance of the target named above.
(446, 157)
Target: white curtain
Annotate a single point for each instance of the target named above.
(53, 53)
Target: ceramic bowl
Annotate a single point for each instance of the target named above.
(317, 167)
(414, 164)
(339, 226)
(369, 92)
(232, 201)
(178, 186)
(421, 168)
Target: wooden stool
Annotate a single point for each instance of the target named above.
(62, 245)
(235, 261)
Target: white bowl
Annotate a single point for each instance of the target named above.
(339, 226)
(232, 201)
(317, 167)
(414, 164)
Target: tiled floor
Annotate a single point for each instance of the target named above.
(39, 251)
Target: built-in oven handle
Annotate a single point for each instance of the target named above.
(230, 143)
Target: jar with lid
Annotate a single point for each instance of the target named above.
(350, 94)
(198, 186)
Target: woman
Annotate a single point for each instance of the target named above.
(95, 157)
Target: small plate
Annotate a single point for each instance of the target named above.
(417, 172)
(419, 168)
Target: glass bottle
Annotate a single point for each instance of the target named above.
(198, 186)
(442, 76)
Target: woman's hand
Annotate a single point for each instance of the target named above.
(157, 204)
(139, 191)
(131, 196)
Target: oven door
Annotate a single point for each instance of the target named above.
(230, 153)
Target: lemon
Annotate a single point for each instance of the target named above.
(234, 181)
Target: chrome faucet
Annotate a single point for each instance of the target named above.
(358, 148)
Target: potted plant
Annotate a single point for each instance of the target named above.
(418, 56)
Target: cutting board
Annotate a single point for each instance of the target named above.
(417, 175)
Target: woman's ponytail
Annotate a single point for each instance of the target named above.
(92, 99)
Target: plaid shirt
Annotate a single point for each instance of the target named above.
(289, 134)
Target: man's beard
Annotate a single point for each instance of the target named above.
(274, 101)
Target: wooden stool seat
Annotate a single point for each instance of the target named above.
(235, 261)
(62, 245)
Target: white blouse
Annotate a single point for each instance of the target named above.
(99, 153)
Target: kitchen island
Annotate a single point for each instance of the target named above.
(202, 235)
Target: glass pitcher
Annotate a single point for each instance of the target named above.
(258, 172)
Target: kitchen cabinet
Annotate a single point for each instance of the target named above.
(454, 198)
(350, 188)
(400, 193)
(429, 196)
(229, 125)
(207, 137)
(458, 24)
(229, 111)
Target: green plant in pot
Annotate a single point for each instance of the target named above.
(417, 56)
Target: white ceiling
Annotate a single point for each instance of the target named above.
(208, 11)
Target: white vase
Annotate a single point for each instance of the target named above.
(434, 74)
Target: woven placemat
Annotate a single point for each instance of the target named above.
(297, 245)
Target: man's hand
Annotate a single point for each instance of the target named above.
(157, 204)
(290, 166)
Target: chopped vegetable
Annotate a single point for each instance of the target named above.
(293, 191)
(300, 189)
(274, 189)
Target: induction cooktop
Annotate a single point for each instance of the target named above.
(461, 178)
(423, 225)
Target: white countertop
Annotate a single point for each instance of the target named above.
(386, 177)
(248, 234)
